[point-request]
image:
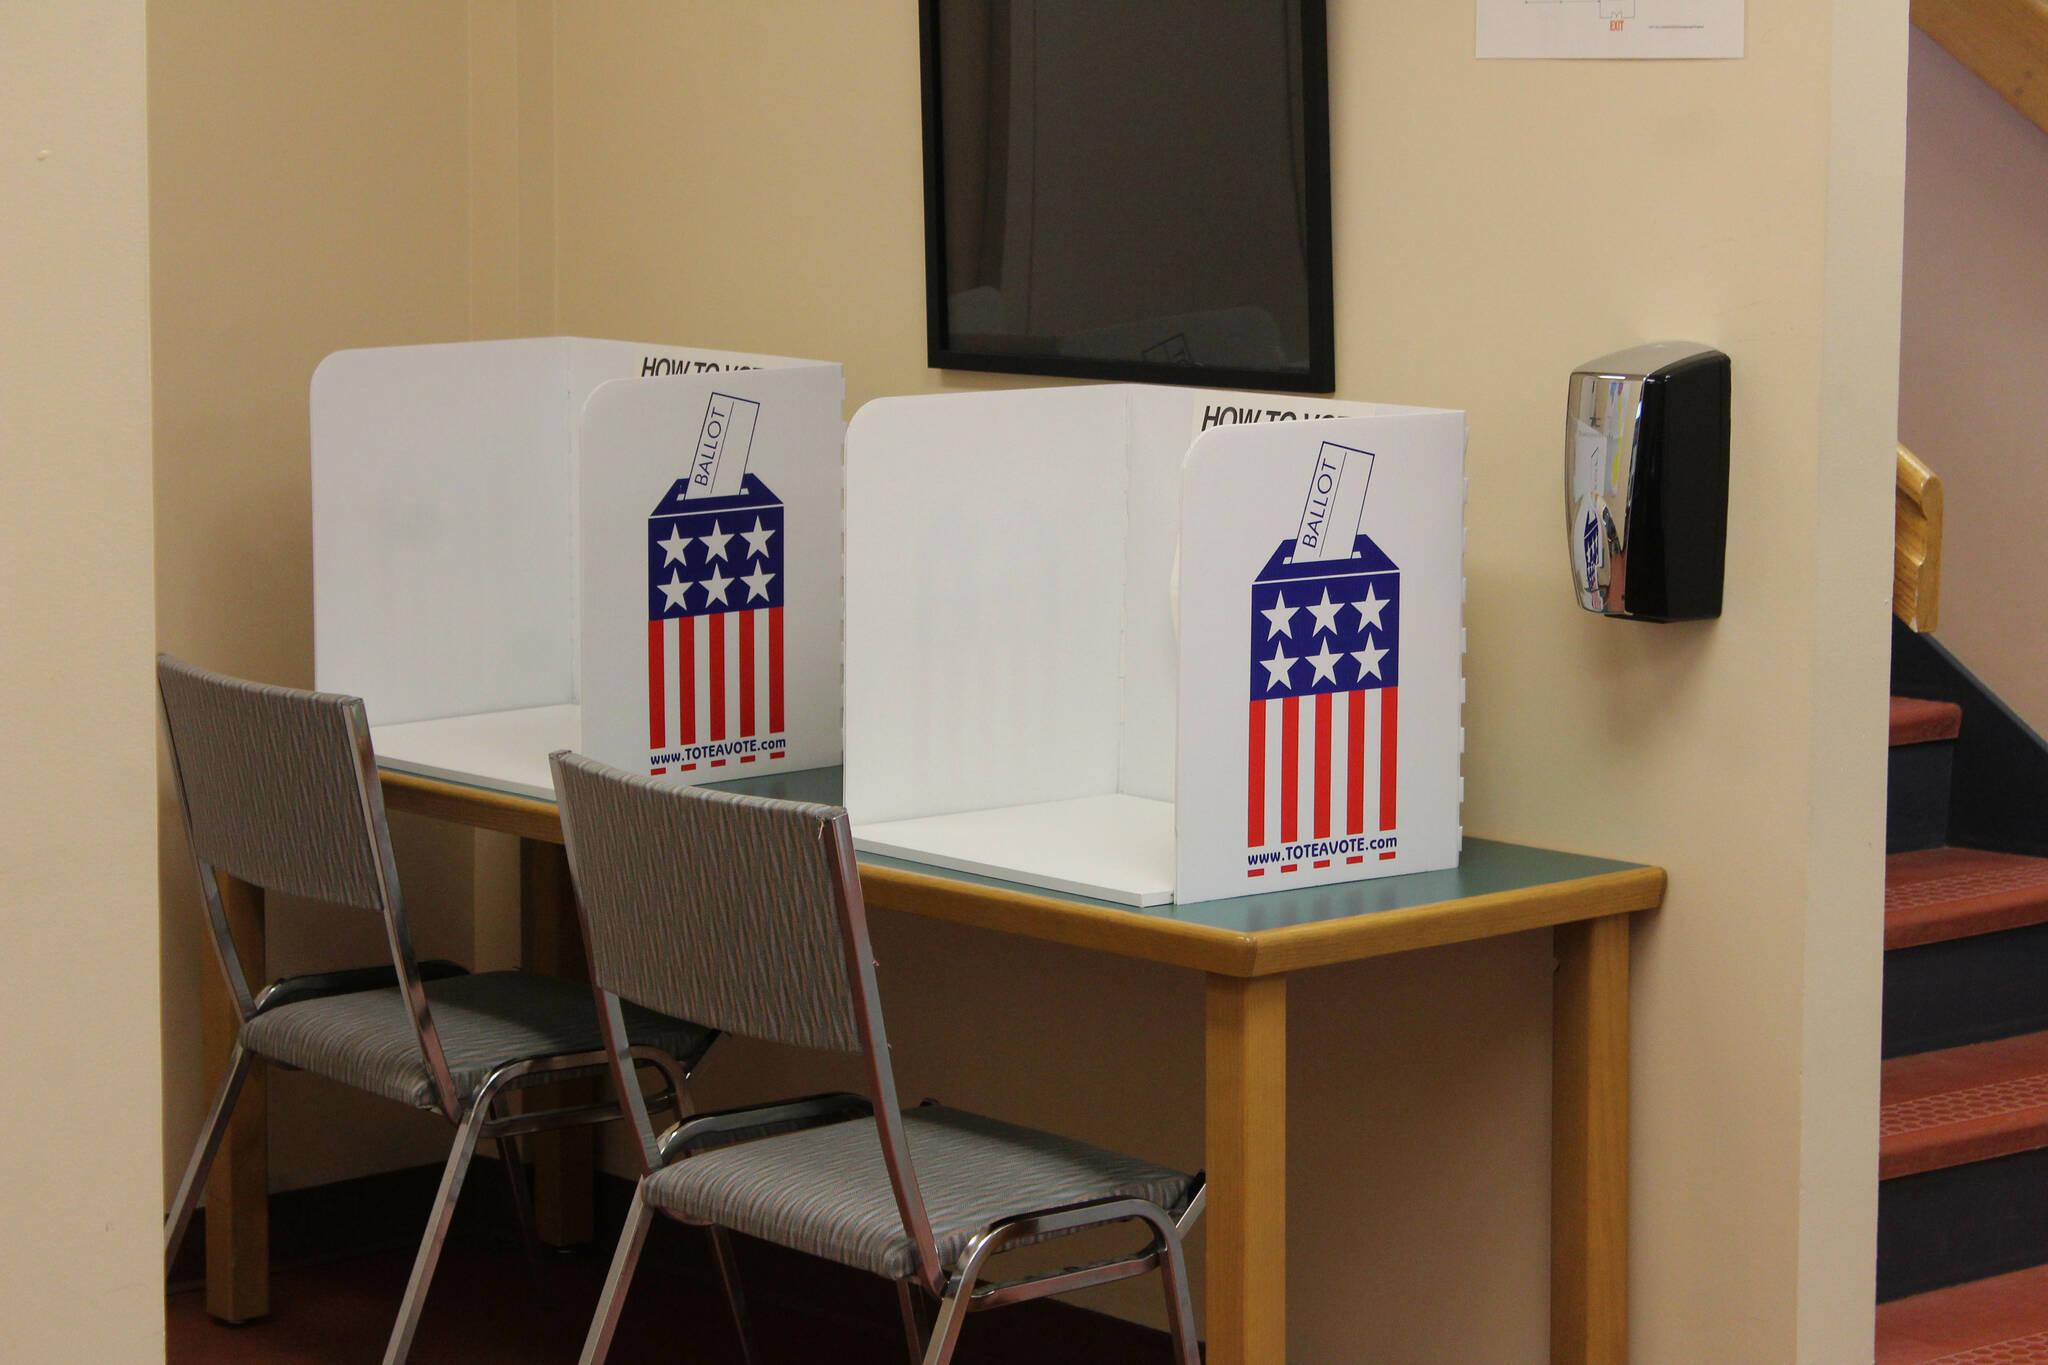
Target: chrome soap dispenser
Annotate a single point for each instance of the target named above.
(1646, 481)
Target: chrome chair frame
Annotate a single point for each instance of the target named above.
(958, 1291)
(478, 1120)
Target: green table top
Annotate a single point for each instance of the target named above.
(1485, 867)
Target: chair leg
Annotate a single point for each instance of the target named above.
(952, 1317)
(1180, 1308)
(437, 1234)
(210, 1134)
(912, 1308)
(735, 1300)
(634, 1236)
(522, 1210)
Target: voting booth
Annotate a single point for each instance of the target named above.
(1155, 644)
(630, 550)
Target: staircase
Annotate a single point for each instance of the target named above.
(2004, 41)
(1963, 1156)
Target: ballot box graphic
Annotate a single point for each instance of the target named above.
(1323, 755)
(715, 602)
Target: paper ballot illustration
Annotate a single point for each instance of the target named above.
(714, 627)
(1323, 760)
(718, 465)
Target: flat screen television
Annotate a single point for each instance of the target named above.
(1129, 189)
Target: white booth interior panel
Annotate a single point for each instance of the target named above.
(502, 749)
(984, 600)
(443, 532)
(1113, 847)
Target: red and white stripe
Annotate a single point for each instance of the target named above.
(1321, 767)
(714, 678)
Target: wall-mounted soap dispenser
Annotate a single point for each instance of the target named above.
(1646, 481)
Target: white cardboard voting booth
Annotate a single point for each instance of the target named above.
(631, 550)
(1154, 644)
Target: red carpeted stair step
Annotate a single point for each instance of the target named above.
(1935, 894)
(1999, 1321)
(1964, 1104)
(1917, 722)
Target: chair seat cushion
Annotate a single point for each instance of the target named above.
(366, 1038)
(825, 1190)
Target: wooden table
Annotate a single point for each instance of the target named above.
(1246, 947)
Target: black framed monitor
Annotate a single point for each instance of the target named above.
(1137, 190)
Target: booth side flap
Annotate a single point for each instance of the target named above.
(1321, 652)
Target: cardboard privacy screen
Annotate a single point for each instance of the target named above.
(1026, 698)
(711, 619)
(627, 549)
(1330, 571)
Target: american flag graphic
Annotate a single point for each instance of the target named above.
(714, 629)
(1323, 762)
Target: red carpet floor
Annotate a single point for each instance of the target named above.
(483, 1308)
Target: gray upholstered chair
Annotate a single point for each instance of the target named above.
(746, 913)
(279, 788)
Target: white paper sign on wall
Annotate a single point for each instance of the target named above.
(1610, 28)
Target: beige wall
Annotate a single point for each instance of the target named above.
(78, 999)
(748, 176)
(322, 175)
(750, 173)
(1971, 398)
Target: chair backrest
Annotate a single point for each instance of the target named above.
(714, 907)
(273, 785)
(738, 912)
(279, 789)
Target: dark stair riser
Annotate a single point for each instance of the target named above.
(1961, 1223)
(1917, 796)
(1966, 990)
(2000, 794)
(1986, 789)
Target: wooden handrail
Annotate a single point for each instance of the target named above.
(1916, 548)
(2004, 41)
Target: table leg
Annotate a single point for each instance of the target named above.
(1247, 1168)
(1589, 1144)
(551, 943)
(238, 1187)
